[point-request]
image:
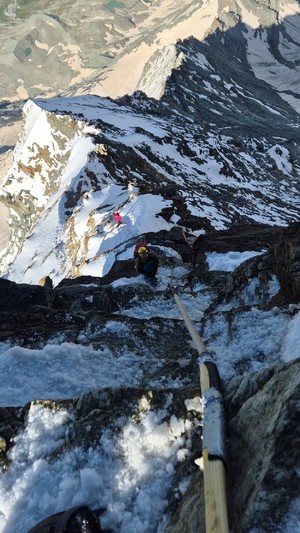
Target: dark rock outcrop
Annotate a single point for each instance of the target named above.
(287, 264)
(263, 445)
(238, 238)
(282, 259)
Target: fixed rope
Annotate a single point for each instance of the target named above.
(213, 436)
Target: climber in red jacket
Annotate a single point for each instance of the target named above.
(117, 218)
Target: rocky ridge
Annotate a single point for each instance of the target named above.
(219, 153)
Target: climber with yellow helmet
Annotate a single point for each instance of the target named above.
(146, 261)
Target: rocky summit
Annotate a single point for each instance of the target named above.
(101, 401)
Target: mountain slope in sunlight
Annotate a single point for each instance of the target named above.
(219, 148)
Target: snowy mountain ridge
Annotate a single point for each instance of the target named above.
(100, 398)
(226, 156)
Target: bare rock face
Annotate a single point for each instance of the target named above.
(239, 237)
(287, 264)
(263, 446)
(263, 443)
(11, 421)
(190, 515)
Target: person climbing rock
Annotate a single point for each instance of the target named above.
(117, 218)
(146, 262)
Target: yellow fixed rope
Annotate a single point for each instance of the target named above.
(216, 519)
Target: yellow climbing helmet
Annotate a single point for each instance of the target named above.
(142, 250)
